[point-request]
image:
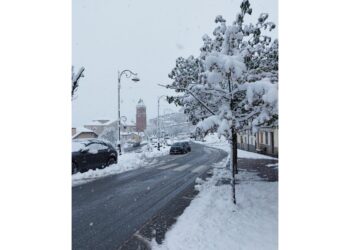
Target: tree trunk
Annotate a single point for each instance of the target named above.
(234, 148)
(234, 162)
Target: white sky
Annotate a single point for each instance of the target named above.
(145, 37)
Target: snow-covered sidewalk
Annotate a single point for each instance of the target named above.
(212, 140)
(126, 162)
(213, 222)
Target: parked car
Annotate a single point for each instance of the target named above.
(178, 148)
(92, 154)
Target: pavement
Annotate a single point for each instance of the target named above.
(108, 212)
(267, 169)
(132, 149)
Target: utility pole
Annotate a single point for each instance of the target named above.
(158, 144)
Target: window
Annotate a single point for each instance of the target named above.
(266, 138)
(95, 147)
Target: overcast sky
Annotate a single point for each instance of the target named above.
(145, 37)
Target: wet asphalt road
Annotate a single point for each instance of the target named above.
(108, 211)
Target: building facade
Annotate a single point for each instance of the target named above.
(128, 127)
(141, 118)
(265, 141)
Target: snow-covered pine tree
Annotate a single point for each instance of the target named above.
(186, 73)
(235, 75)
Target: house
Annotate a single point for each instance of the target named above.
(265, 141)
(128, 127)
(83, 133)
(98, 126)
(130, 137)
(246, 140)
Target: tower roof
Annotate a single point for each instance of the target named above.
(140, 103)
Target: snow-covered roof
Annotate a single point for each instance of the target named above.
(82, 130)
(94, 123)
(99, 123)
(110, 122)
(128, 124)
(128, 133)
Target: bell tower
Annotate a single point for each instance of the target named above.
(141, 120)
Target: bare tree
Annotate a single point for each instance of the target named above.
(75, 79)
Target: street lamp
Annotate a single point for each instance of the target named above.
(128, 73)
(158, 122)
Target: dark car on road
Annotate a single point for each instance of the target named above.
(179, 148)
(92, 154)
(187, 145)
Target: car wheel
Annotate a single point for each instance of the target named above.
(74, 168)
(110, 161)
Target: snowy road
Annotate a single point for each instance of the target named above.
(108, 211)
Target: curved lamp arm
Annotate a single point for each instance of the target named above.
(128, 73)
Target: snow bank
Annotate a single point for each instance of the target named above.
(126, 162)
(213, 222)
(212, 140)
(251, 155)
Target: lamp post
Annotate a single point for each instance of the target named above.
(158, 123)
(128, 73)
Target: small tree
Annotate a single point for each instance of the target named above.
(75, 79)
(236, 76)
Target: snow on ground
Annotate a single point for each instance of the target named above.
(251, 155)
(126, 162)
(213, 222)
(212, 140)
(272, 165)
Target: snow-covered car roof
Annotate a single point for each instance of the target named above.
(80, 144)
